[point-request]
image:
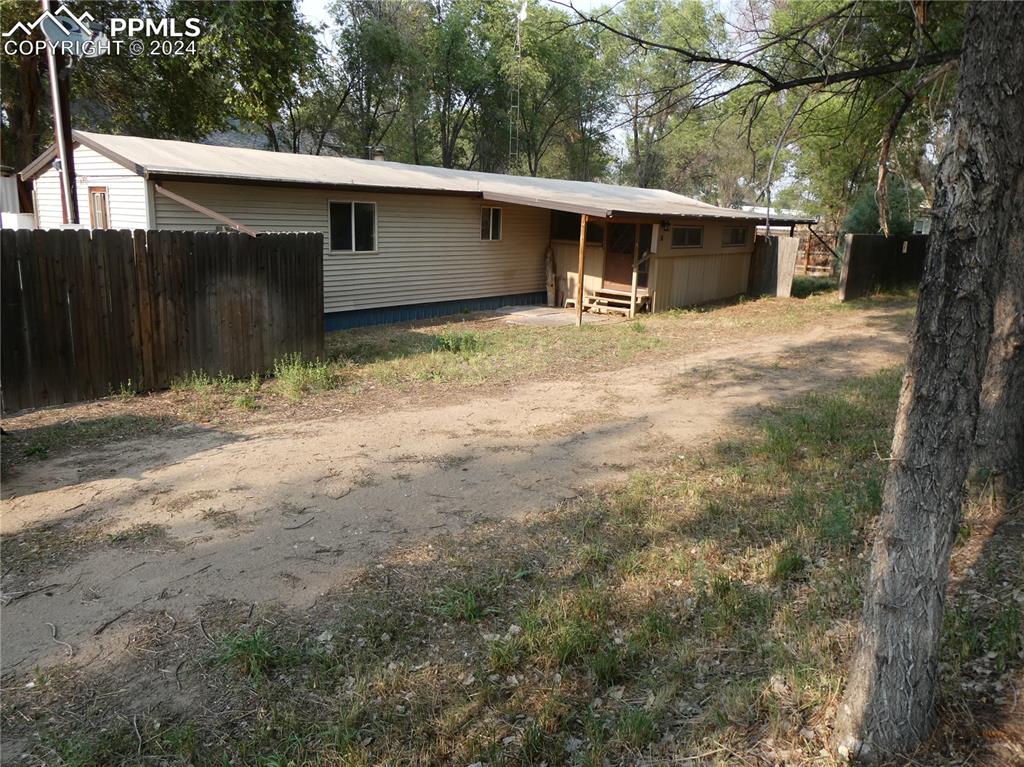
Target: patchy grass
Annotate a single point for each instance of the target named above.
(706, 606)
(475, 352)
(365, 367)
(805, 286)
(50, 544)
(464, 342)
(62, 437)
(60, 542)
(205, 397)
(137, 535)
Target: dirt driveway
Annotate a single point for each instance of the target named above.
(168, 523)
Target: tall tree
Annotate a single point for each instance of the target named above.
(457, 60)
(971, 282)
(265, 70)
(975, 254)
(377, 43)
(117, 93)
(655, 87)
(554, 65)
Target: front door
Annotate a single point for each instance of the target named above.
(618, 259)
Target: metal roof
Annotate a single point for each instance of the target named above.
(163, 159)
(781, 216)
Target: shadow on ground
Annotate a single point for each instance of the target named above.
(704, 607)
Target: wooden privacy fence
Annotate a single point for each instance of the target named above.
(87, 313)
(876, 262)
(771, 266)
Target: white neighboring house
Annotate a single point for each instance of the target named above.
(408, 241)
(11, 216)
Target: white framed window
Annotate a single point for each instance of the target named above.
(490, 223)
(353, 226)
(687, 236)
(734, 235)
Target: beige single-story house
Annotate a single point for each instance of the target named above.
(409, 241)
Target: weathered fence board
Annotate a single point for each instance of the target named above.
(87, 313)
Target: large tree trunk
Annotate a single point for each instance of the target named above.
(889, 705)
(1000, 449)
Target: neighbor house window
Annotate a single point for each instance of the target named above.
(734, 235)
(353, 226)
(687, 236)
(490, 223)
(99, 213)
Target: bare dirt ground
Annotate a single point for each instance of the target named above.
(282, 512)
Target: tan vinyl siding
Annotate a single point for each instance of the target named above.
(699, 279)
(428, 246)
(687, 276)
(713, 231)
(126, 192)
(567, 264)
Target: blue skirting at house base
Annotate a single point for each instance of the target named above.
(385, 314)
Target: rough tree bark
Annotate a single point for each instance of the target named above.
(1000, 441)
(889, 703)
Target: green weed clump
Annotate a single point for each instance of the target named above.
(253, 654)
(295, 377)
(459, 342)
(458, 603)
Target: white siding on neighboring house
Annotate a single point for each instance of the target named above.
(126, 192)
(428, 246)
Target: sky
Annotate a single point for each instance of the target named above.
(317, 10)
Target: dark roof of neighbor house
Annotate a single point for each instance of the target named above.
(180, 160)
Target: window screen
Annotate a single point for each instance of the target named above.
(490, 223)
(365, 225)
(734, 235)
(687, 236)
(353, 226)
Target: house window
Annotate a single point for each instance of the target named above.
(687, 236)
(99, 213)
(353, 227)
(566, 226)
(490, 223)
(734, 235)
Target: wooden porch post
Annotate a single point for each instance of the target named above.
(636, 265)
(579, 274)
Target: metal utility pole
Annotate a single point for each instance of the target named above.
(513, 124)
(60, 75)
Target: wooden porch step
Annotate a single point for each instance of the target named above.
(609, 300)
(612, 292)
(603, 309)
